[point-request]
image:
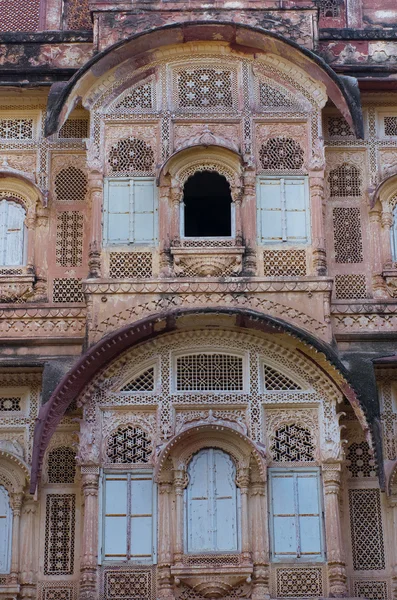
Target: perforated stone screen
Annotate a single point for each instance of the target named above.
(329, 8)
(347, 234)
(69, 239)
(270, 97)
(299, 583)
(139, 97)
(129, 444)
(209, 372)
(281, 154)
(71, 185)
(59, 534)
(67, 289)
(77, 15)
(10, 404)
(345, 181)
(126, 584)
(131, 156)
(338, 127)
(366, 530)
(74, 129)
(20, 15)
(62, 465)
(276, 381)
(16, 129)
(375, 590)
(143, 383)
(130, 265)
(350, 286)
(390, 125)
(205, 88)
(359, 461)
(278, 263)
(292, 443)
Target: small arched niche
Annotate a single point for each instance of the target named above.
(207, 207)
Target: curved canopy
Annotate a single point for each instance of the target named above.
(342, 90)
(112, 345)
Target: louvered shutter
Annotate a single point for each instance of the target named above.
(225, 497)
(5, 531)
(199, 500)
(309, 514)
(284, 522)
(117, 212)
(116, 509)
(270, 211)
(295, 208)
(14, 234)
(141, 543)
(144, 211)
(3, 230)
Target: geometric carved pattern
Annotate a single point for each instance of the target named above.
(366, 529)
(61, 465)
(292, 443)
(125, 265)
(74, 129)
(376, 590)
(143, 383)
(129, 445)
(131, 155)
(347, 235)
(338, 127)
(16, 129)
(140, 97)
(329, 8)
(209, 372)
(390, 124)
(345, 181)
(71, 185)
(360, 462)
(10, 404)
(276, 381)
(57, 590)
(69, 240)
(123, 584)
(20, 15)
(279, 263)
(67, 290)
(59, 534)
(298, 583)
(205, 88)
(350, 287)
(77, 15)
(279, 154)
(270, 97)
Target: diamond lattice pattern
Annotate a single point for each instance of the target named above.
(209, 372)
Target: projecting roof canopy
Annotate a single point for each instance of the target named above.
(249, 41)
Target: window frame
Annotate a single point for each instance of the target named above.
(24, 230)
(321, 557)
(106, 212)
(130, 474)
(262, 241)
(9, 518)
(207, 238)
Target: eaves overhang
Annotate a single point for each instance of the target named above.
(342, 90)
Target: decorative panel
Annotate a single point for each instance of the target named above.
(129, 445)
(59, 534)
(390, 125)
(271, 97)
(20, 15)
(144, 382)
(276, 381)
(74, 129)
(292, 443)
(366, 530)
(338, 127)
(140, 97)
(299, 583)
(350, 286)
(61, 465)
(347, 234)
(71, 185)
(131, 156)
(375, 590)
(124, 265)
(57, 590)
(206, 88)
(69, 239)
(278, 263)
(281, 153)
(127, 584)
(67, 290)
(16, 129)
(345, 181)
(359, 461)
(209, 372)
(10, 404)
(77, 14)
(329, 8)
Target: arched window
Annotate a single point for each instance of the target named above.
(12, 216)
(207, 206)
(393, 235)
(211, 503)
(5, 531)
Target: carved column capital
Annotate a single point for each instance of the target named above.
(16, 503)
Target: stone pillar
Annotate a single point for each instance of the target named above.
(243, 483)
(180, 482)
(16, 505)
(174, 228)
(248, 221)
(393, 504)
(316, 185)
(378, 283)
(165, 540)
(165, 230)
(28, 567)
(386, 222)
(95, 188)
(89, 550)
(260, 541)
(335, 558)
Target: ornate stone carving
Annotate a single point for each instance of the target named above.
(207, 262)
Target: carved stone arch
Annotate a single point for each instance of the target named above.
(23, 191)
(194, 438)
(297, 98)
(14, 472)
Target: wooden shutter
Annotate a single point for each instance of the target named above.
(12, 217)
(211, 503)
(117, 212)
(141, 540)
(284, 518)
(270, 211)
(116, 510)
(5, 531)
(144, 211)
(295, 209)
(309, 514)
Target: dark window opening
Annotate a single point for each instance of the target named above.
(207, 201)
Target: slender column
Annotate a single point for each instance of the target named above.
(260, 541)
(28, 556)
(16, 505)
(180, 482)
(316, 184)
(248, 222)
(243, 484)
(386, 222)
(378, 283)
(335, 558)
(89, 553)
(165, 230)
(95, 186)
(165, 540)
(393, 504)
(175, 196)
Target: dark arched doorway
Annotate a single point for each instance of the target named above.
(207, 206)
